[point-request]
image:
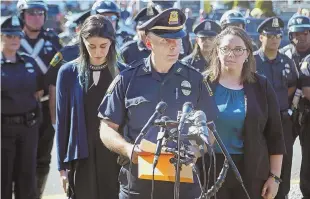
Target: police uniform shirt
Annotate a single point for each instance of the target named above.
(66, 54)
(281, 72)
(19, 82)
(45, 52)
(134, 51)
(197, 61)
(133, 95)
(305, 72)
(291, 52)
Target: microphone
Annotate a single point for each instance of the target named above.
(224, 151)
(167, 123)
(186, 109)
(159, 110)
(161, 135)
(200, 120)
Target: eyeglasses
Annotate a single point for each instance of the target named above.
(35, 12)
(112, 18)
(236, 51)
(271, 36)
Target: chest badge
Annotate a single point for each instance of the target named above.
(287, 69)
(29, 67)
(186, 88)
(48, 45)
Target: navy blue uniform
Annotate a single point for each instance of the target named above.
(197, 61)
(282, 74)
(66, 54)
(305, 129)
(20, 116)
(129, 103)
(134, 51)
(42, 50)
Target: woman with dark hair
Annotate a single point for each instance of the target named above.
(83, 160)
(249, 121)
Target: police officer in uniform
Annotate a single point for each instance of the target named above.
(133, 51)
(282, 73)
(21, 89)
(110, 10)
(298, 50)
(129, 103)
(304, 122)
(41, 45)
(205, 33)
(234, 18)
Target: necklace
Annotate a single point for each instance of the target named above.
(98, 68)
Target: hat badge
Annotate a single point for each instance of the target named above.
(173, 18)
(275, 23)
(299, 20)
(15, 21)
(149, 11)
(207, 26)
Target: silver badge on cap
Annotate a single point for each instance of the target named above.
(15, 21)
(186, 88)
(299, 20)
(149, 11)
(207, 26)
(275, 23)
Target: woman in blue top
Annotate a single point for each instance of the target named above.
(249, 118)
(80, 87)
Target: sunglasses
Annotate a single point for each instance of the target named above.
(270, 36)
(35, 12)
(112, 18)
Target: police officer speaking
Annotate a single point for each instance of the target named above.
(41, 45)
(129, 103)
(282, 73)
(205, 33)
(21, 88)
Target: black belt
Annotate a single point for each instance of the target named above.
(24, 118)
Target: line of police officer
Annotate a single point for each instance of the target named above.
(42, 45)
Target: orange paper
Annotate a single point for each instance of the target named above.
(164, 171)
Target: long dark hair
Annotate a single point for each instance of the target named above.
(95, 26)
(249, 67)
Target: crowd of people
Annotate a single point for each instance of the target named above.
(96, 93)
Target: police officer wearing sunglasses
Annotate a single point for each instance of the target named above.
(21, 87)
(41, 45)
(282, 73)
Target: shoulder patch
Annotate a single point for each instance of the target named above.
(56, 59)
(206, 83)
(113, 84)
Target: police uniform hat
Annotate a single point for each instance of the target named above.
(298, 23)
(271, 25)
(81, 17)
(11, 26)
(168, 24)
(145, 14)
(31, 4)
(232, 17)
(104, 6)
(207, 28)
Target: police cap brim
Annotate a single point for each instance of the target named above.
(299, 28)
(206, 33)
(101, 11)
(168, 35)
(15, 33)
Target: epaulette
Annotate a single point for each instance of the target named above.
(136, 64)
(128, 43)
(189, 66)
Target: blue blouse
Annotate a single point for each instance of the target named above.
(231, 105)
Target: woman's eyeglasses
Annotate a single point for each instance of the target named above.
(236, 51)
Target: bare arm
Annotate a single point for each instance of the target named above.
(52, 102)
(113, 140)
(276, 164)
